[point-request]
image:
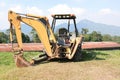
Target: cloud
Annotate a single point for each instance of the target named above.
(106, 16)
(79, 11)
(65, 9)
(34, 10)
(30, 10)
(17, 8)
(105, 11)
(3, 20)
(2, 4)
(78, 1)
(59, 9)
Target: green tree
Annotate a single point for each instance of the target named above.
(25, 38)
(116, 39)
(87, 37)
(95, 36)
(84, 31)
(7, 32)
(34, 36)
(3, 37)
(107, 37)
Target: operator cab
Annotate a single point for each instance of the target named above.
(64, 33)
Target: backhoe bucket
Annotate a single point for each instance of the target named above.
(20, 61)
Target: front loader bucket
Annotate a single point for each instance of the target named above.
(20, 61)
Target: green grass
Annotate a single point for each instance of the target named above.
(100, 54)
(111, 56)
(29, 55)
(96, 65)
(7, 61)
(6, 58)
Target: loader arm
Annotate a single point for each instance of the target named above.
(39, 25)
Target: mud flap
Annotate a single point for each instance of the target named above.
(20, 61)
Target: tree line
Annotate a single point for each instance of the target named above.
(97, 36)
(33, 37)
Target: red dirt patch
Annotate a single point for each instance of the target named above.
(40, 47)
(100, 45)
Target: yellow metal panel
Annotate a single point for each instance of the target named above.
(41, 31)
(40, 27)
(12, 17)
(52, 35)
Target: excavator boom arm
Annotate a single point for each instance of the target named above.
(39, 26)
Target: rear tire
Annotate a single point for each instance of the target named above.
(78, 54)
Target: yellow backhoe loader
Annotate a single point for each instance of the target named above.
(66, 44)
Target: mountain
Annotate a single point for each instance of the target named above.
(26, 29)
(103, 28)
(90, 25)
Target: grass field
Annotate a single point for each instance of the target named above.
(96, 65)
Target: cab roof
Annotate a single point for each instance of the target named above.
(64, 16)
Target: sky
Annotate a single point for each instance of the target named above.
(99, 11)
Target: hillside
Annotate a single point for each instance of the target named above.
(90, 25)
(103, 28)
